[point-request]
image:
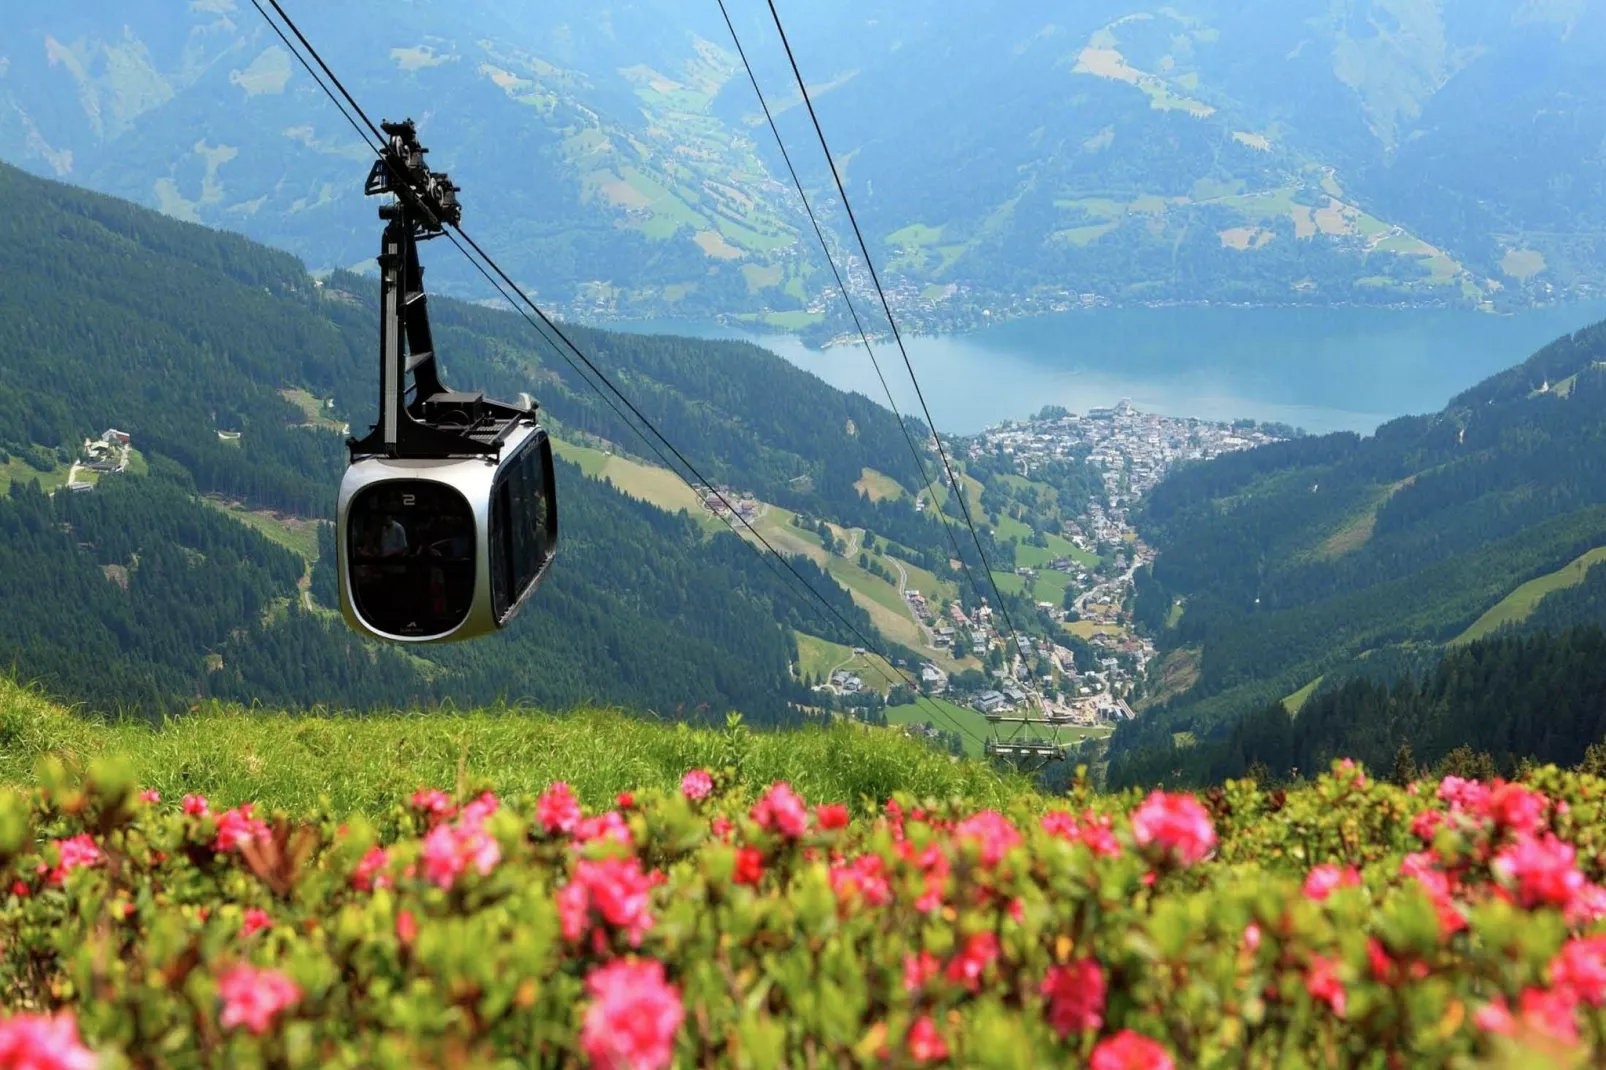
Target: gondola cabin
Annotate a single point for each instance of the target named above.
(439, 550)
(447, 519)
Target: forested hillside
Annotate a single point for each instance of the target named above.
(234, 372)
(1288, 569)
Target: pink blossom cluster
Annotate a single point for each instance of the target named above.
(1096, 831)
(255, 997)
(451, 849)
(74, 851)
(994, 833)
(1177, 825)
(633, 1017)
(697, 785)
(782, 811)
(614, 890)
(43, 1042)
(236, 828)
(558, 810)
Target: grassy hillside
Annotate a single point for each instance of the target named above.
(1325, 557)
(1301, 558)
(714, 918)
(293, 760)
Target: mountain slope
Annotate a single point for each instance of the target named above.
(1003, 156)
(1311, 558)
(140, 595)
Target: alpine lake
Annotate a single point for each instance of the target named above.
(1320, 369)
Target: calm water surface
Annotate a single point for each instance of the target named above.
(1320, 369)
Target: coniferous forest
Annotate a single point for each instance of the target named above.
(142, 598)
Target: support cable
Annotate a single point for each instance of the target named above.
(864, 336)
(567, 342)
(953, 482)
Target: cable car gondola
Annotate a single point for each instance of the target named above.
(447, 517)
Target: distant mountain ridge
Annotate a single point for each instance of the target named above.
(1003, 156)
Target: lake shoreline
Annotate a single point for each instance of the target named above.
(1322, 369)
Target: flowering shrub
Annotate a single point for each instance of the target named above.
(1346, 923)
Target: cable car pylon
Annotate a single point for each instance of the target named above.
(447, 519)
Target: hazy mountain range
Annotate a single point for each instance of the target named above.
(1001, 156)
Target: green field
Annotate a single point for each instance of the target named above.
(299, 762)
(979, 727)
(644, 482)
(293, 533)
(1516, 606)
(20, 471)
(816, 657)
(879, 486)
(1296, 702)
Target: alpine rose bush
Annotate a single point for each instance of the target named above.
(1348, 922)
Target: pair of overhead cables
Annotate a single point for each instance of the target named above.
(955, 486)
(560, 342)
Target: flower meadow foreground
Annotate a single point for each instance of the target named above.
(1348, 923)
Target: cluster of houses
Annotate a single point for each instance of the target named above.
(108, 453)
(1134, 449)
(724, 501)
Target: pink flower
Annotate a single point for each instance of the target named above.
(196, 805)
(1323, 879)
(254, 997)
(475, 813)
(256, 919)
(1075, 994)
(432, 801)
(236, 828)
(1587, 906)
(614, 888)
(370, 873)
(1436, 886)
(831, 816)
(75, 851)
(1548, 1014)
(993, 831)
(919, 970)
(43, 1042)
(1461, 794)
(1252, 938)
(782, 811)
(558, 809)
(925, 1043)
(863, 878)
(1425, 826)
(1096, 831)
(1130, 1051)
(610, 825)
(574, 907)
(406, 927)
(1542, 869)
(967, 967)
(720, 826)
(1580, 968)
(1177, 823)
(450, 850)
(1321, 981)
(633, 1018)
(1551, 1013)
(697, 785)
(1495, 1017)
(1516, 808)
(150, 795)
